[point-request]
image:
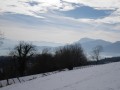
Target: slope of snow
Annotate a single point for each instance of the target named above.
(102, 77)
(3, 83)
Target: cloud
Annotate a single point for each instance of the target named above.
(33, 3)
(65, 8)
(49, 34)
(86, 12)
(60, 20)
(55, 29)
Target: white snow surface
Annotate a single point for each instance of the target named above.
(100, 77)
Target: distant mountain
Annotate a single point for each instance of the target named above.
(109, 48)
(114, 47)
(84, 40)
(88, 44)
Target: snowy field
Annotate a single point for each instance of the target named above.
(3, 83)
(101, 77)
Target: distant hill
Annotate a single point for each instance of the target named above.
(109, 48)
(88, 44)
(114, 47)
(84, 40)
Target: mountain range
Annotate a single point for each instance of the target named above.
(109, 48)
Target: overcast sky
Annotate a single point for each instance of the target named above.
(62, 21)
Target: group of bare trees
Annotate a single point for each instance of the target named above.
(23, 59)
(72, 54)
(68, 56)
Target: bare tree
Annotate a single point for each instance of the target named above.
(22, 52)
(96, 53)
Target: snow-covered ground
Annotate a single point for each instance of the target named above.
(101, 77)
(3, 83)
